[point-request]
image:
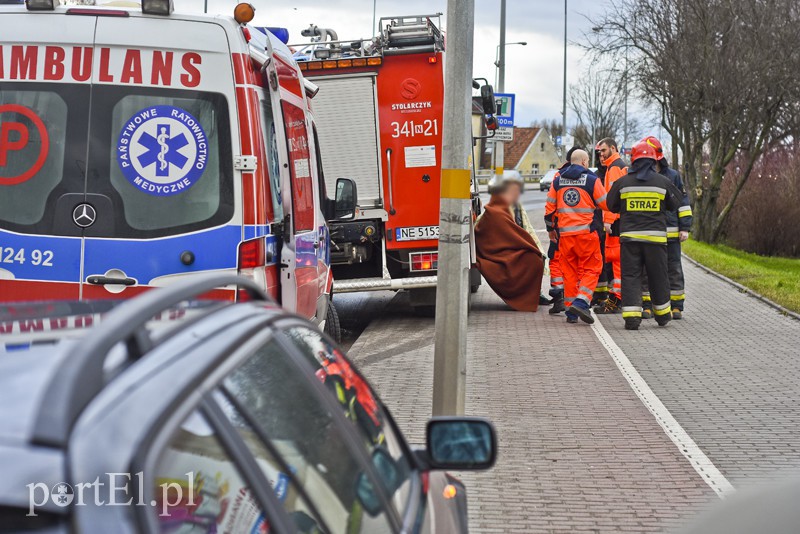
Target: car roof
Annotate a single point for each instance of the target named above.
(38, 342)
(48, 384)
(25, 374)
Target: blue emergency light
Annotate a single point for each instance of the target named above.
(281, 33)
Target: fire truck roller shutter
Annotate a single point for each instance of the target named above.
(346, 119)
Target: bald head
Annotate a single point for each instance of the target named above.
(580, 157)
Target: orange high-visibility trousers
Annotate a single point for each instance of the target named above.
(613, 258)
(581, 263)
(556, 274)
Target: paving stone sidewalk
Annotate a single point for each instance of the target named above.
(578, 451)
(730, 374)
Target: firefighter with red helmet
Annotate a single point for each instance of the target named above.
(679, 224)
(573, 198)
(615, 168)
(642, 198)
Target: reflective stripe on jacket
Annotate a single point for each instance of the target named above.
(680, 220)
(642, 198)
(574, 196)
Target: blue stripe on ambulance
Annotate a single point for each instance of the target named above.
(147, 259)
(48, 258)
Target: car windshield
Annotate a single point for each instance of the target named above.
(160, 159)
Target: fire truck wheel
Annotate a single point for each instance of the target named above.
(332, 326)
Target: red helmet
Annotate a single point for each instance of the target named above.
(655, 143)
(644, 149)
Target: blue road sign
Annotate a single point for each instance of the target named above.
(505, 109)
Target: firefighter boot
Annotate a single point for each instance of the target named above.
(610, 305)
(647, 310)
(662, 320)
(581, 309)
(558, 301)
(677, 314)
(632, 323)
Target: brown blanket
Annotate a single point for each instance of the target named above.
(508, 258)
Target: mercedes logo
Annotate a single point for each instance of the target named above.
(84, 215)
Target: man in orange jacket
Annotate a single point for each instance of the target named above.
(615, 168)
(572, 200)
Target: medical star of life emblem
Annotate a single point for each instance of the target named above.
(572, 197)
(162, 150)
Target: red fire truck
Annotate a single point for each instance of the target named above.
(379, 112)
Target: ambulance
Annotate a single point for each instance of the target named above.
(380, 115)
(139, 146)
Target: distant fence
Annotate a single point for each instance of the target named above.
(485, 175)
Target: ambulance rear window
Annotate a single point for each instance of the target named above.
(164, 160)
(33, 126)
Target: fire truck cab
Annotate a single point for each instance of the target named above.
(139, 146)
(379, 110)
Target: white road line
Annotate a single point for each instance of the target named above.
(701, 463)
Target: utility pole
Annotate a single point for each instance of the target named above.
(452, 293)
(499, 153)
(625, 104)
(564, 95)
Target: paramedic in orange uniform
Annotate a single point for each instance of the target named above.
(556, 274)
(573, 198)
(615, 169)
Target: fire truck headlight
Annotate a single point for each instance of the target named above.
(157, 7)
(40, 5)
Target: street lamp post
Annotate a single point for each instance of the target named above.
(564, 93)
(500, 85)
(501, 66)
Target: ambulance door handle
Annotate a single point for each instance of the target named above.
(389, 169)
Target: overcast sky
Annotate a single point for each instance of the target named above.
(534, 71)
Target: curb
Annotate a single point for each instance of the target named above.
(744, 289)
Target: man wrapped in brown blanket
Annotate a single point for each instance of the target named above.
(508, 257)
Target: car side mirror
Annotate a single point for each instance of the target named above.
(487, 100)
(461, 443)
(346, 199)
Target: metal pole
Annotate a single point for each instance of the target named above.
(564, 95)
(452, 293)
(499, 152)
(374, 12)
(205, 7)
(625, 105)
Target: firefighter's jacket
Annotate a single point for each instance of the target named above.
(572, 200)
(680, 220)
(642, 198)
(615, 169)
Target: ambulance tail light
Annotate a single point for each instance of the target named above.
(251, 262)
(40, 5)
(157, 7)
(424, 261)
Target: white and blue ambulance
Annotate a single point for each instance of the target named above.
(139, 146)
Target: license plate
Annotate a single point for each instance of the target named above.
(417, 233)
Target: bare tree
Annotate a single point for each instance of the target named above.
(553, 126)
(597, 106)
(724, 77)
